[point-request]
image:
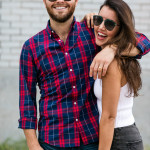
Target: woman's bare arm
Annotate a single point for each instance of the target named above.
(111, 84)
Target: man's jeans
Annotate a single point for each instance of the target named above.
(92, 146)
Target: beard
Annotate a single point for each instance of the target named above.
(61, 18)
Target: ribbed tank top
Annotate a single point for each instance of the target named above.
(124, 111)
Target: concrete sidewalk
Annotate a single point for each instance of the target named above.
(9, 112)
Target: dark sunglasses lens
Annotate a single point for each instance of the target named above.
(97, 20)
(109, 24)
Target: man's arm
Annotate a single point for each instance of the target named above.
(32, 140)
(27, 97)
(104, 58)
(143, 44)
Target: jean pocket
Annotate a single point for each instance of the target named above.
(45, 146)
(135, 145)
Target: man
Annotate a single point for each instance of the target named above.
(58, 59)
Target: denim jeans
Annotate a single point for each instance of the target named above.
(127, 138)
(92, 146)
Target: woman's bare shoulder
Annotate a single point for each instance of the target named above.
(114, 68)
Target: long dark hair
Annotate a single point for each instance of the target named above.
(126, 39)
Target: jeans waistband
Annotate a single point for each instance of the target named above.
(125, 128)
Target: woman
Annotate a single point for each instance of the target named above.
(114, 26)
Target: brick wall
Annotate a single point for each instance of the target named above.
(20, 19)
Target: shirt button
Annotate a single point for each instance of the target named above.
(75, 103)
(59, 40)
(70, 69)
(74, 87)
(52, 31)
(66, 53)
(76, 119)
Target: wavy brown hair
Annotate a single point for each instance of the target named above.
(125, 39)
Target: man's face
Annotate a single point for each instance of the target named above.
(60, 10)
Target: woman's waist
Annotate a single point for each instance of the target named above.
(124, 118)
(127, 133)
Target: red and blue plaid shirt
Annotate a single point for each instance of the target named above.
(67, 106)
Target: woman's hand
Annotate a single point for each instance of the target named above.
(89, 19)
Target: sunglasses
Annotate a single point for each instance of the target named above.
(56, 0)
(109, 24)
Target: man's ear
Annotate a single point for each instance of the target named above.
(76, 2)
(44, 1)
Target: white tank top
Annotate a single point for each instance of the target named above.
(124, 111)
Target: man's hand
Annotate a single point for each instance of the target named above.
(101, 62)
(89, 19)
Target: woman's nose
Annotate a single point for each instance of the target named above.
(102, 26)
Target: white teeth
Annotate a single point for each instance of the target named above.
(60, 7)
(101, 34)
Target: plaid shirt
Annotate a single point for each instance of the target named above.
(67, 106)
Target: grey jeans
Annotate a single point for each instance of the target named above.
(127, 138)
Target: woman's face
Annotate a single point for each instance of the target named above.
(102, 35)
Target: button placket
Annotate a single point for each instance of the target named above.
(70, 69)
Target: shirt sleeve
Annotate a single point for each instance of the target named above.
(27, 90)
(143, 44)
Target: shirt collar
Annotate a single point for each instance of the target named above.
(51, 32)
